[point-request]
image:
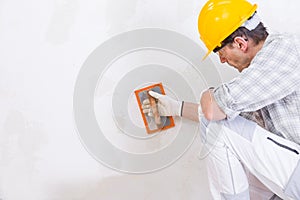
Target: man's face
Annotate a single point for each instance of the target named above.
(234, 56)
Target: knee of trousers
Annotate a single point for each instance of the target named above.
(216, 130)
(216, 134)
(212, 133)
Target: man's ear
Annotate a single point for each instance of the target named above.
(241, 43)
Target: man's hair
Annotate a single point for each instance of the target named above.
(258, 34)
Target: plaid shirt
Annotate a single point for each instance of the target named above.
(269, 88)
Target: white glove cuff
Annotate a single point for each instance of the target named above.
(181, 108)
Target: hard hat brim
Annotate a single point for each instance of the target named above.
(206, 55)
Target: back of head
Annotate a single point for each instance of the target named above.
(218, 19)
(257, 34)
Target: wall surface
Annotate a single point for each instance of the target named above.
(44, 44)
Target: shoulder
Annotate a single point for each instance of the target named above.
(278, 48)
(282, 40)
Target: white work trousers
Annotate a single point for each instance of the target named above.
(270, 158)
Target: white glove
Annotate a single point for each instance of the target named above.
(166, 105)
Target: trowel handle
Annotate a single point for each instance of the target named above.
(154, 109)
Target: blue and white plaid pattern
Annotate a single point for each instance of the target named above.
(270, 84)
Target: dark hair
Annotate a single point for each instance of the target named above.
(257, 35)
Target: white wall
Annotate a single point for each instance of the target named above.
(43, 45)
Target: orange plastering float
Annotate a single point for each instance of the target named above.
(153, 123)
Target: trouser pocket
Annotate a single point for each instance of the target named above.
(283, 146)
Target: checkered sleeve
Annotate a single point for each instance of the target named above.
(273, 74)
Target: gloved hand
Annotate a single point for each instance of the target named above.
(166, 105)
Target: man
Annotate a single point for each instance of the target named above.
(267, 91)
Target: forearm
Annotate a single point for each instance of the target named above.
(170, 107)
(190, 111)
(210, 108)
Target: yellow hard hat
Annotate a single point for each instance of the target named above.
(220, 18)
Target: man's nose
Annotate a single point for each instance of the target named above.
(222, 59)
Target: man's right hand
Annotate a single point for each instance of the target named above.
(166, 105)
